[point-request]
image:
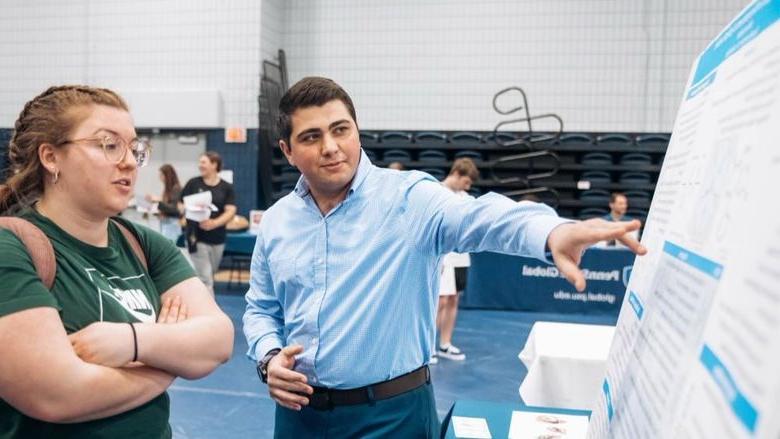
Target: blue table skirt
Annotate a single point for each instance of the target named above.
(237, 243)
(497, 281)
(240, 243)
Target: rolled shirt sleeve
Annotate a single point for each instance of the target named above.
(491, 222)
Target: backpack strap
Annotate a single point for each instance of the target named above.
(134, 243)
(38, 247)
(41, 251)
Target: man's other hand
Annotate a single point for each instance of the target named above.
(285, 385)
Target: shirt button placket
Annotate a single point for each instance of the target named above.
(319, 282)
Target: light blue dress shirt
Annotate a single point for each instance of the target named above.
(358, 287)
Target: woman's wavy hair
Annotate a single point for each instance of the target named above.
(48, 118)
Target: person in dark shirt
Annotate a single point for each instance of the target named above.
(168, 203)
(206, 239)
(618, 205)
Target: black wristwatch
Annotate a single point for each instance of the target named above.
(262, 365)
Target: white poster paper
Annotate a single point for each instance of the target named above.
(531, 425)
(472, 428)
(696, 352)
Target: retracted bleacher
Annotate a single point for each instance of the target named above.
(587, 166)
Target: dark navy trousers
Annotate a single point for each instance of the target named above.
(408, 415)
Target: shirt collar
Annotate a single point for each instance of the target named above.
(364, 167)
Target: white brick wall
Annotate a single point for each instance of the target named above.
(600, 64)
(132, 46)
(41, 43)
(411, 64)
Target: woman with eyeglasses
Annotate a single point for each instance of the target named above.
(94, 355)
(206, 239)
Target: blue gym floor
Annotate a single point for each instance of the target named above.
(233, 403)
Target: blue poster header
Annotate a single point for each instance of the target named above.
(755, 19)
(608, 399)
(636, 304)
(706, 266)
(743, 409)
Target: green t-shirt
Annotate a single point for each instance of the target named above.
(92, 284)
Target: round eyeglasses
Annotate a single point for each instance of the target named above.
(115, 148)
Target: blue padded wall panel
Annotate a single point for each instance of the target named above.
(242, 159)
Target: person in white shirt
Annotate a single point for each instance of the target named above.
(453, 268)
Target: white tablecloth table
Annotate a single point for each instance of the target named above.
(566, 363)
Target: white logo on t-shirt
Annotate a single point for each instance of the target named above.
(133, 300)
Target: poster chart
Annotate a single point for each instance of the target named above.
(696, 353)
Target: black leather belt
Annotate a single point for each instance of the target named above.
(325, 399)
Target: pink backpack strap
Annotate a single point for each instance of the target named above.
(134, 243)
(38, 247)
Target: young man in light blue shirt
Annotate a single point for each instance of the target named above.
(344, 285)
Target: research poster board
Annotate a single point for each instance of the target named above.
(696, 352)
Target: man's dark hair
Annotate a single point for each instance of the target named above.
(465, 167)
(312, 91)
(615, 196)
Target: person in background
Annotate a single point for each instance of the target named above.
(398, 166)
(453, 269)
(206, 239)
(618, 205)
(342, 298)
(168, 203)
(93, 356)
